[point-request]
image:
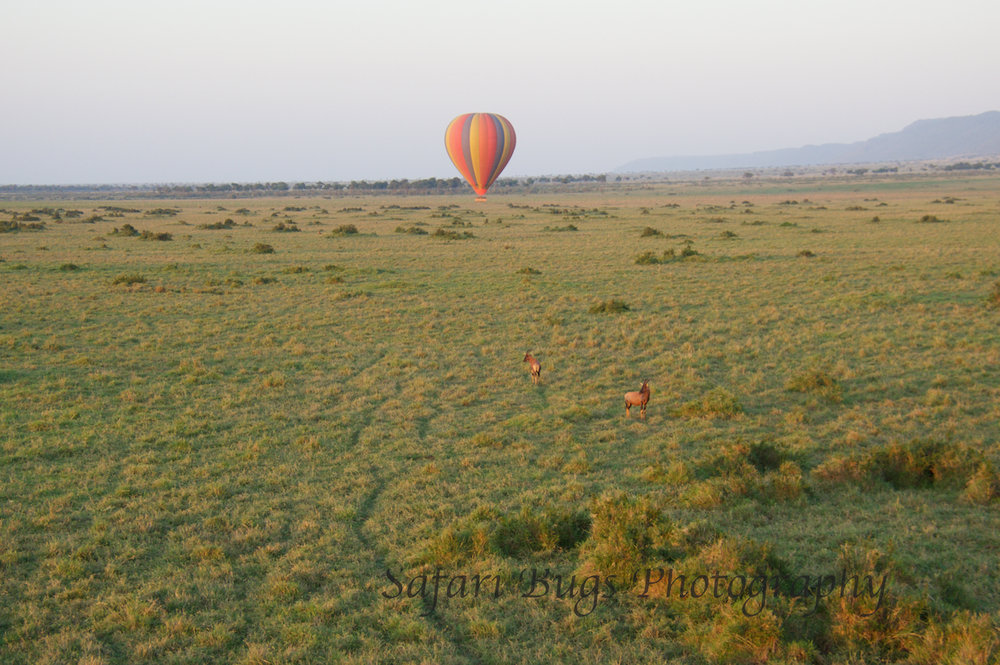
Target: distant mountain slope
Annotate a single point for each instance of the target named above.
(942, 138)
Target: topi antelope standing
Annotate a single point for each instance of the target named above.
(639, 399)
(535, 366)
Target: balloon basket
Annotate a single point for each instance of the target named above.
(480, 198)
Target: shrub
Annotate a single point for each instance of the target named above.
(448, 234)
(786, 483)
(815, 381)
(930, 219)
(716, 403)
(486, 532)
(129, 279)
(413, 230)
(668, 255)
(14, 226)
(262, 248)
(612, 306)
(66, 267)
(228, 224)
(922, 463)
(807, 253)
(519, 535)
(650, 232)
(966, 637)
(152, 235)
(647, 258)
(765, 456)
(839, 469)
(627, 534)
(983, 486)
(125, 230)
(993, 299)
(344, 230)
(529, 271)
(285, 227)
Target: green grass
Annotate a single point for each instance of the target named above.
(219, 461)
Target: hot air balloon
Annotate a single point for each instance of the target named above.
(480, 145)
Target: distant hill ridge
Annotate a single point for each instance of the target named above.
(942, 138)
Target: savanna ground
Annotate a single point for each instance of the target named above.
(213, 452)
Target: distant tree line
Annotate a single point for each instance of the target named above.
(970, 166)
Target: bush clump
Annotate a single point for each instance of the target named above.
(344, 230)
(448, 234)
(412, 230)
(529, 271)
(129, 278)
(815, 381)
(228, 224)
(262, 248)
(285, 227)
(14, 226)
(153, 235)
(993, 299)
(983, 486)
(627, 534)
(765, 456)
(126, 230)
(651, 258)
(612, 306)
(487, 532)
(716, 403)
(917, 464)
(920, 464)
(650, 232)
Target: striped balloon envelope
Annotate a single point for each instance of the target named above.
(480, 145)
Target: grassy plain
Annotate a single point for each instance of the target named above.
(213, 453)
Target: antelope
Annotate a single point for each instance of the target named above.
(639, 399)
(535, 366)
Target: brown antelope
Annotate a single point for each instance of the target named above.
(535, 366)
(639, 399)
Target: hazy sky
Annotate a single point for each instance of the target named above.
(127, 91)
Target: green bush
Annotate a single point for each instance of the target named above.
(413, 230)
(627, 534)
(344, 230)
(612, 306)
(125, 230)
(716, 403)
(448, 234)
(815, 381)
(129, 279)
